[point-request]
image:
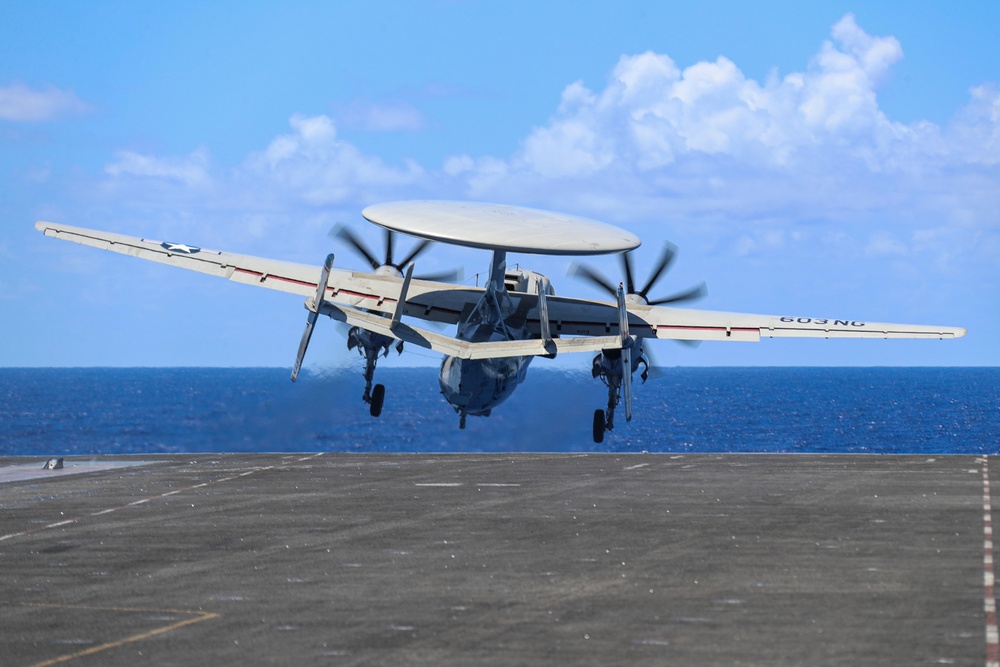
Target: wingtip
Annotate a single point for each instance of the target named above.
(41, 225)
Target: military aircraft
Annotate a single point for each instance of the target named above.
(500, 327)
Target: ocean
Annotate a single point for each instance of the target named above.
(82, 411)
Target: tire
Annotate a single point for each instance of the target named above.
(378, 397)
(598, 426)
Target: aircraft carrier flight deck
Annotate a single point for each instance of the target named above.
(497, 559)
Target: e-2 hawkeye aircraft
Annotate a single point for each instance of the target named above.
(502, 326)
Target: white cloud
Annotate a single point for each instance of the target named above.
(975, 134)
(883, 244)
(191, 170)
(704, 146)
(458, 164)
(384, 117)
(705, 142)
(20, 103)
(309, 166)
(875, 55)
(312, 165)
(652, 114)
(570, 148)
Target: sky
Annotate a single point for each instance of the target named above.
(835, 159)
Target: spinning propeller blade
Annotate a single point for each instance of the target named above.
(588, 274)
(662, 265)
(697, 292)
(417, 250)
(346, 235)
(666, 257)
(343, 233)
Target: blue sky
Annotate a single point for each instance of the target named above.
(816, 159)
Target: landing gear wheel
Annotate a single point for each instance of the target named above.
(598, 426)
(378, 397)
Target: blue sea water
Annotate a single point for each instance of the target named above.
(74, 411)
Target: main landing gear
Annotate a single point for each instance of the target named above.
(609, 368)
(370, 345)
(600, 426)
(375, 400)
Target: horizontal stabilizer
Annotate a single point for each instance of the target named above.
(401, 303)
(626, 345)
(313, 307)
(464, 349)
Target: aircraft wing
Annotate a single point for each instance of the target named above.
(346, 294)
(585, 317)
(688, 324)
(269, 273)
(591, 318)
(359, 289)
(575, 324)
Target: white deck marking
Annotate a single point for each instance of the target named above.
(25, 471)
(451, 485)
(134, 503)
(636, 467)
(989, 581)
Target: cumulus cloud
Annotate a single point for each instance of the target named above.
(703, 144)
(652, 114)
(976, 132)
(706, 143)
(312, 165)
(20, 103)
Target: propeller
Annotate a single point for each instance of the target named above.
(641, 295)
(388, 266)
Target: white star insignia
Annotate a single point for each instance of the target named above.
(180, 247)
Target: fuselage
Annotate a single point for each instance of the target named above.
(476, 386)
